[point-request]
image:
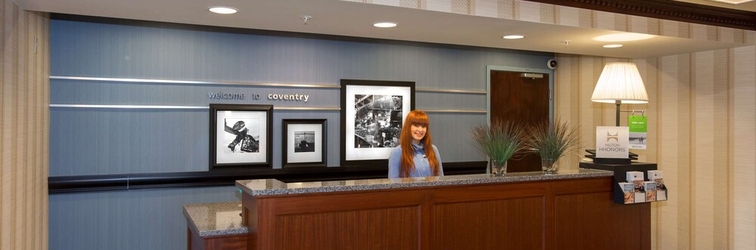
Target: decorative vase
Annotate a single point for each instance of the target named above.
(549, 166)
(498, 170)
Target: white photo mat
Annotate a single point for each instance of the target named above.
(240, 135)
(304, 157)
(256, 123)
(353, 153)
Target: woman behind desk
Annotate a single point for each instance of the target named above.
(416, 155)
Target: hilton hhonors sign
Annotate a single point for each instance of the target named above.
(612, 142)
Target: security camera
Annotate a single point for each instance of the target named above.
(551, 63)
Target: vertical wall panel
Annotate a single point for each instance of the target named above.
(484, 8)
(567, 16)
(567, 97)
(744, 148)
(506, 9)
(527, 11)
(703, 142)
(605, 20)
(686, 178)
(721, 168)
(648, 68)
(23, 128)
(438, 5)
(668, 99)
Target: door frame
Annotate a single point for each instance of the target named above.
(490, 68)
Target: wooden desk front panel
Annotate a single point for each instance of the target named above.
(497, 224)
(355, 220)
(600, 224)
(559, 214)
(503, 216)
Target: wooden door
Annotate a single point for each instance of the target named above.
(520, 99)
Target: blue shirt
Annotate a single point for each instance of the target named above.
(422, 165)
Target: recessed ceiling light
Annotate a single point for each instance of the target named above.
(385, 25)
(613, 46)
(222, 10)
(512, 37)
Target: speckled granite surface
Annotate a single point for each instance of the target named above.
(266, 187)
(215, 219)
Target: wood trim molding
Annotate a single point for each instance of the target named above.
(667, 9)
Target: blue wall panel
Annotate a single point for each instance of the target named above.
(126, 220)
(86, 141)
(92, 141)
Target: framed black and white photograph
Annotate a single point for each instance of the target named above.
(372, 113)
(240, 135)
(304, 143)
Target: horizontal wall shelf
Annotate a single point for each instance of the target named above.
(164, 107)
(189, 82)
(451, 91)
(251, 84)
(96, 106)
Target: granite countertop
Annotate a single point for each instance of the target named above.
(215, 219)
(270, 187)
(224, 218)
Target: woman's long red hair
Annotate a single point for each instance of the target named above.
(416, 117)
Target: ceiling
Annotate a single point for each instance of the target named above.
(353, 19)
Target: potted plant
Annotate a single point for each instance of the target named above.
(499, 141)
(552, 141)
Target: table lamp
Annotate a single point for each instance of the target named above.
(620, 83)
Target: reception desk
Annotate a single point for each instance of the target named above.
(569, 210)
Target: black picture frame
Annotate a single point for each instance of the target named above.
(240, 136)
(372, 113)
(304, 143)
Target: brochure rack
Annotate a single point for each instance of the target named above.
(620, 175)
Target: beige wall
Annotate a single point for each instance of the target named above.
(24, 128)
(702, 127)
(702, 133)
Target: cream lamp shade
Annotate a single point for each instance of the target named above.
(620, 83)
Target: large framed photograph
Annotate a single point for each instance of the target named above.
(372, 113)
(304, 143)
(240, 135)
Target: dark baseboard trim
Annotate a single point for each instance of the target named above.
(119, 182)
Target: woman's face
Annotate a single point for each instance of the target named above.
(418, 132)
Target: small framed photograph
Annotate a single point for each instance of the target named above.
(372, 114)
(304, 143)
(240, 135)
